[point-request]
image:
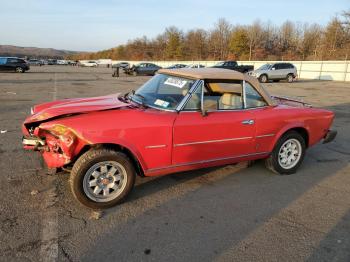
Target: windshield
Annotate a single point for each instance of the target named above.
(265, 67)
(163, 91)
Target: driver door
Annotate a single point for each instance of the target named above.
(225, 132)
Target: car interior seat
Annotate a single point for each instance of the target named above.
(230, 101)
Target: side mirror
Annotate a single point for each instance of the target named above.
(205, 106)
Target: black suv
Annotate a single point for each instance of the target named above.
(13, 64)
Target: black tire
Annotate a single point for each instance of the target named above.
(273, 162)
(19, 70)
(290, 78)
(90, 159)
(263, 78)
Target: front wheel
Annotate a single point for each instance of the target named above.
(102, 178)
(288, 154)
(263, 78)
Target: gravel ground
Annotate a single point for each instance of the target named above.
(230, 213)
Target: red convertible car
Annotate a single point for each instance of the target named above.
(181, 119)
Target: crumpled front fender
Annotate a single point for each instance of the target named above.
(62, 144)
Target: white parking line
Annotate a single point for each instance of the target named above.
(49, 235)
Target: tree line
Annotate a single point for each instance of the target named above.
(257, 41)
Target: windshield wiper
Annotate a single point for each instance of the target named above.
(140, 96)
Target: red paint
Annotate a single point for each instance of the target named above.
(165, 142)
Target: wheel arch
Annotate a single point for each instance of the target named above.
(264, 74)
(302, 130)
(117, 147)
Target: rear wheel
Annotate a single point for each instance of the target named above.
(288, 154)
(102, 178)
(290, 78)
(19, 70)
(263, 78)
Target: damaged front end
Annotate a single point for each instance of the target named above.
(57, 143)
(49, 127)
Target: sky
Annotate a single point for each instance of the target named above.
(92, 25)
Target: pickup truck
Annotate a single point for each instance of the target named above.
(234, 66)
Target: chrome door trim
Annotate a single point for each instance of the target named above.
(244, 95)
(213, 141)
(155, 146)
(267, 135)
(208, 161)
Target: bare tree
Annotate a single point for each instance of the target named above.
(254, 35)
(219, 38)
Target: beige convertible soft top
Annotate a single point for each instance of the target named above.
(217, 74)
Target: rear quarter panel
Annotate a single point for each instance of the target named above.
(273, 122)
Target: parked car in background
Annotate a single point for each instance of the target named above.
(71, 62)
(36, 62)
(142, 69)
(88, 63)
(177, 121)
(195, 66)
(62, 62)
(233, 65)
(14, 64)
(176, 66)
(52, 61)
(121, 65)
(275, 72)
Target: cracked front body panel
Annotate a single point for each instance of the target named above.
(58, 144)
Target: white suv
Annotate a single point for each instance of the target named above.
(275, 72)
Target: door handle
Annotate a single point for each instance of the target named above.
(248, 122)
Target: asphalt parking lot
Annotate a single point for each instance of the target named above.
(230, 213)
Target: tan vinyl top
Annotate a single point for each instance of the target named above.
(217, 74)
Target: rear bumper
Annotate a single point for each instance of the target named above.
(330, 135)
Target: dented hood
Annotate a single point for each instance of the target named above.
(64, 107)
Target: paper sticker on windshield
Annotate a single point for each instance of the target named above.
(175, 82)
(161, 103)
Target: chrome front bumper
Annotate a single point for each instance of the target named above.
(33, 142)
(330, 135)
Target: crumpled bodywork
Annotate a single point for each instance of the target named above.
(59, 108)
(63, 143)
(59, 144)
